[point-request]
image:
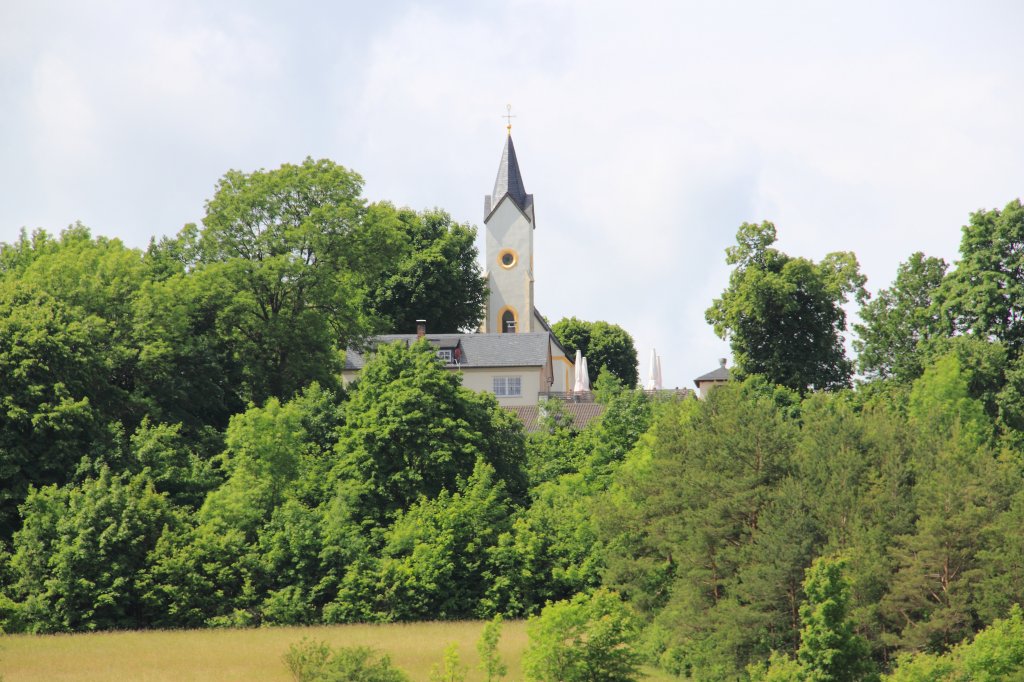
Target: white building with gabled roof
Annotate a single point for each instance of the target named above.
(520, 368)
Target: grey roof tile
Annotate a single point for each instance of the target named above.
(721, 373)
(478, 350)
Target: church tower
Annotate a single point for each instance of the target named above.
(509, 222)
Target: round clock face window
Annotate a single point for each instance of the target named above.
(507, 258)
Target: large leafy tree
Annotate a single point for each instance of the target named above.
(899, 318)
(830, 651)
(437, 276)
(412, 429)
(985, 294)
(605, 345)
(436, 559)
(50, 360)
(783, 315)
(296, 247)
(83, 551)
(67, 365)
(256, 537)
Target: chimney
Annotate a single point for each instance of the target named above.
(421, 328)
(722, 362)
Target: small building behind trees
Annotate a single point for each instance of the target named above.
(715, 377)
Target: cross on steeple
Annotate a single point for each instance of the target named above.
(508, 118)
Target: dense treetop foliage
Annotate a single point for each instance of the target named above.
(290, 267)
(177, 450)
(783, 316)
(606, 346)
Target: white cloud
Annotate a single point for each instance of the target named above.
(647, 132)
(62, 114)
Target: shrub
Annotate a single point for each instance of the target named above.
(451, 669)
(490, 662)
(589, 638)
(310, 661)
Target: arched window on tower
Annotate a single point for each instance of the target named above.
(508, 322)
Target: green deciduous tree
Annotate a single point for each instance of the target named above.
(435, 559)
(254, 536)
(172, 464)
(491, 664)
(83, 551)
(829, 649)
(295, 246)
(66, 362)
(899, 318)
(436, 277)
(984, 295)
(589, 638)
(190, 365)
(604, 345)
(50, 359)
(552, 550)
(783, 316)
(411, 429)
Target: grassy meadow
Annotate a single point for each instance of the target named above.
(251, 655)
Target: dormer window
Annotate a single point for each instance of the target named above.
(446, 355)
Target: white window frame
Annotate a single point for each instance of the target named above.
(507, 386)
(446, 355)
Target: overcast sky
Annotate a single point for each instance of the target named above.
(647, 131)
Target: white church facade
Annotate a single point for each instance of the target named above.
(514, 354)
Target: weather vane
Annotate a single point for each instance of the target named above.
(508, 118)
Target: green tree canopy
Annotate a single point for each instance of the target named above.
(412, 429)
(83, 551)
(436, 278)
(830, 651)
(984, 295)
(589, 638)
(296, 246)
(783, 316)
(899, 318)
(997, 653)
(605, 345)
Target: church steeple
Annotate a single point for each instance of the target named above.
(509, 224)
(509, 182)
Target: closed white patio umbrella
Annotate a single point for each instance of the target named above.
(652, 374)
(578, 385)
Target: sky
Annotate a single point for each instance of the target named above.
(646, 131)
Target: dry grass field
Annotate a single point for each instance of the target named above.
(242, 655)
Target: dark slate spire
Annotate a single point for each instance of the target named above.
(510, 182)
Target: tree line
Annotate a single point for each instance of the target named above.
(176, 447)
(178, 451)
